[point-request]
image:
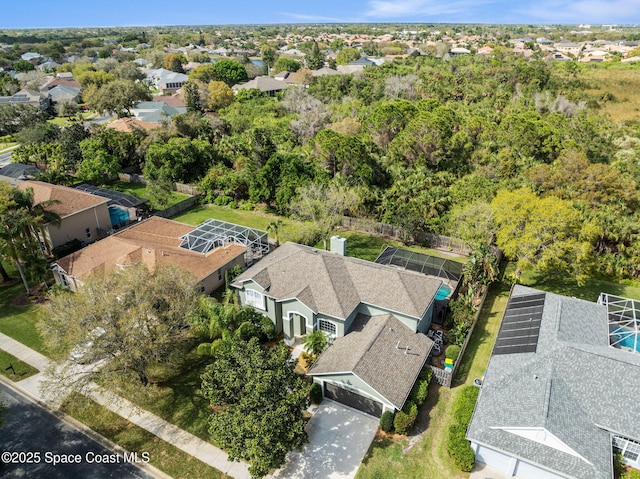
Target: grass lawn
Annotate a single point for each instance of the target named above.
(19, 322)
(568, 287)
(20, 371)
(141, 191)
(175, 395)
(359, 245)
(64, 121)
(164, 456)
(6, 145)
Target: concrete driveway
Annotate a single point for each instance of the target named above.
(339, 437)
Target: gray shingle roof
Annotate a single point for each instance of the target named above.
(335, 285)
(574, 386)
(370, 351)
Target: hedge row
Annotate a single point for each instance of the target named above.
(458, 447)
(404, 420)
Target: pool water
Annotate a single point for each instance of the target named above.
(627, 338)
(443, 292)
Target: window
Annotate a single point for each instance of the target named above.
(88, 231)
(327, 327)
(255, 299)
(627, 447)
(219, 275)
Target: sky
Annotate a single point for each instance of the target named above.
(81, 13)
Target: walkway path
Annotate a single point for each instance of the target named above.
(166, 431)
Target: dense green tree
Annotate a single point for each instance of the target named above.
(14, 118)
(544, 234)
(116, 97)
(192, 96)
(259, 402)
(344, 155)
(39, 133)
(388, 119)
(220, 95)
(269, 56)
(347, 55)
(178, 160)
(229, 71)
(283, 64)
(97, 165)
(314, 59)
(23, 66)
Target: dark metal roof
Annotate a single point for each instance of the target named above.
(16, 170)
(520, 327)
(116, 197)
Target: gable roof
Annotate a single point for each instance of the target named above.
(129, 125)
(153, 242)
(373, 342)
(335, 285)
(69, 200)
(574, 386)
(262, 83)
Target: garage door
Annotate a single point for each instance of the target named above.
(524, 470)
(353, 400)
(495, 459)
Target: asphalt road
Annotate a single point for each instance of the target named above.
(5, 159)
(28, 428)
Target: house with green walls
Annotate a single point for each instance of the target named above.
(303, 289)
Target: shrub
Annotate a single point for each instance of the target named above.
(233, 205)
(406, 418)
(452, 352)
(419, 392)
(459, 448)
(315, 393)
(222, 200)
(632, 474)
(466, 401)
(247, 206)
(386, 421)
(426, 374)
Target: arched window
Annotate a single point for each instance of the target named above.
(254, 298)
(327, 327)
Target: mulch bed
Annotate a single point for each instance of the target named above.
(36, 296)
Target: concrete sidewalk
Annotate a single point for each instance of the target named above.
(166, 431)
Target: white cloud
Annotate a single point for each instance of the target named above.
(312, 18)
(408, 8)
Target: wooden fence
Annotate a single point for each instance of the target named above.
(178, 207)
(182, 188)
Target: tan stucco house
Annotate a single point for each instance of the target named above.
(84, 217)
(153, 242)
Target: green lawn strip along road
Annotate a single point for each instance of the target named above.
(169, 459)
(13, 368)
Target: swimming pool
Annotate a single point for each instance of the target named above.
(627, 338)
(443, 292)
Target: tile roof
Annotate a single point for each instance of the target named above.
(335, 285)
(152, 242)
(129, 125)
(69, 200)
(575, 386)
(374, 350)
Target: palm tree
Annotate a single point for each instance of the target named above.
(274, 227)
(315, 342)
(21, 223)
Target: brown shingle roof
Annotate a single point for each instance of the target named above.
(69, 200)
(335, 285)
(128, 125)
(375, 351)
(152, 242)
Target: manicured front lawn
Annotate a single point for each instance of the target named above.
(164, 456)
(141, 191)
(175, 395)
(19, 322)
(20, 369)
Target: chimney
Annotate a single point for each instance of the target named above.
(338, 245)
